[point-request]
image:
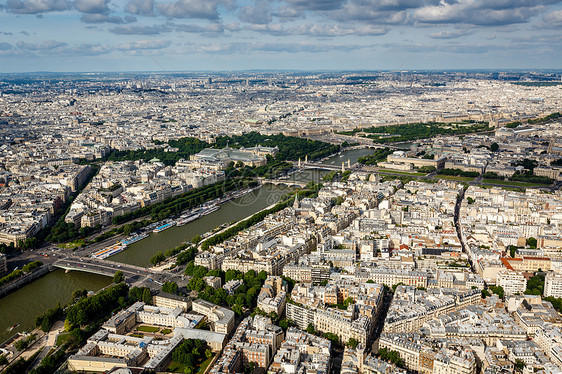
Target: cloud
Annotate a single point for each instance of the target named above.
(140, 7)
(233, 26)
(56, 48)
(144, 44)
(104, 18)
(554, 17)
(87, 49)
(319, 30)
(7, 33)
(141, 30)
(92, 6)
(449, 48)
(245, 48)
(482, 12)
(287, 12)
(258, 13)
(5, 46)
(212, 29)
(201, 9)
(315, 4)
(36, 6)
(450, 34)
(48, 45)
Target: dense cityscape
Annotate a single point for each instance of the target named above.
(373, 222)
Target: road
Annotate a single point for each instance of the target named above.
(134, 275)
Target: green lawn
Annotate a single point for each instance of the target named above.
(205, 363)
(401, 172)
(63, 338)
(73, 244)
(176, 367)
(454, 178)
(165, 331)
(144, 328)
(513, 183)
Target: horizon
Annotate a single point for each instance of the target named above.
(247, 71)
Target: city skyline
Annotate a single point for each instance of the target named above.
(226, 35)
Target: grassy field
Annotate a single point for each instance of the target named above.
(454, 178)
(165, 331)
(512, 183)
(401, 172)
(176, 367)
(73, 244)
(204, 364)
(144, 328)
(63, 338)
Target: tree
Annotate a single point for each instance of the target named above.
(208, 353)
(498, 290)
(118, 277)
(310, 329)
(170, 287)
(352, 343)
(494, 147)
(532, 242)
(146, 295)
(512, 250)
(391, 356)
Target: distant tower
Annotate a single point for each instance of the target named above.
(299, 162)
(348, 163)
(296, 203)
(343, 167)
(306, 159)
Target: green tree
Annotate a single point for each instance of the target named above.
(352, 343)
(310, 329)
(494, 147)
(532, 242)
(157, 258)
(498, 290)
(146, 295)
(170, 287)
(118, 277)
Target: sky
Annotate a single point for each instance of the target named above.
(226, 35)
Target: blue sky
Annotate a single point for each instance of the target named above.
(178, 35)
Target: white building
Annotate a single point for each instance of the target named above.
(553, 285)
(512, 282)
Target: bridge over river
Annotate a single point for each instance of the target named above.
(133, 274)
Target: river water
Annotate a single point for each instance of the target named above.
(352, 156)
(25, 304)
(141, 252)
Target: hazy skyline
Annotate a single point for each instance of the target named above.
(174, 35)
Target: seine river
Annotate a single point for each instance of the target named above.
(26, 303)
